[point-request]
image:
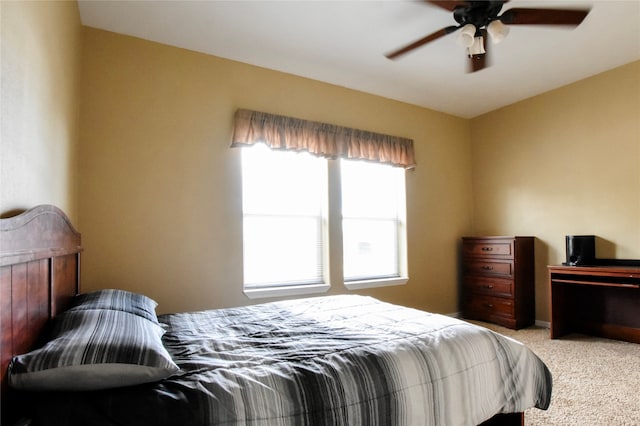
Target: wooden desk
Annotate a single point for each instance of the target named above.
(598, 300)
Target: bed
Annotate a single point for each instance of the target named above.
(331, 360)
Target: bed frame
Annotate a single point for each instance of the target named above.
(39, 274)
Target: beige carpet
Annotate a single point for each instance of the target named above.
(595, 381)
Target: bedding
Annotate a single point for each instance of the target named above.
(334, 360)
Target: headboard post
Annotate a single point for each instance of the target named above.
(39, 274)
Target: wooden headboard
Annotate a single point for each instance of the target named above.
(39, 274)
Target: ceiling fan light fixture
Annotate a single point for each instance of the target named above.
(477, 48)
(466, 36)
(478, 20)
(497, 30)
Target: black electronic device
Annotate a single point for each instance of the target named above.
(581, 250)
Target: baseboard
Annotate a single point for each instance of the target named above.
(543, 324)
(539, 323)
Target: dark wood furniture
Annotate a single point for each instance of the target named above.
(597, 300)
(39, 273)
(498, 280)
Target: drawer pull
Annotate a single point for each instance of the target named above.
(487, 268)
(488, 305)
(487, 248)
(489, 286)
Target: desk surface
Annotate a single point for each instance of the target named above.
(597, 270)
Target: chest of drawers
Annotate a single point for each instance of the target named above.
(498, 282)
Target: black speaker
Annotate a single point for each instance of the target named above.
(581, 250)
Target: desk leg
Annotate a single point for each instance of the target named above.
(560, 310)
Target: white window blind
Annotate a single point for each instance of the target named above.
(373, 221)
(284, 210)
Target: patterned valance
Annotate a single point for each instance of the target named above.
(321, 139)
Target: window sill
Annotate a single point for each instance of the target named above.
(261, 293)
(381, 282)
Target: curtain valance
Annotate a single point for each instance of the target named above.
(326, 140)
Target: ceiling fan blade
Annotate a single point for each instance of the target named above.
(480, 62)
(448, 5)
(525, 16)
(477, 63)
(421, 42)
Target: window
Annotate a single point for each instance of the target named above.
(373, 223)
(285, 225)
(284, 222)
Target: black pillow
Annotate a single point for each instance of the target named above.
(118, 300)
(94, 349)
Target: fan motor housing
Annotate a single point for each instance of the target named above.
(478, 13)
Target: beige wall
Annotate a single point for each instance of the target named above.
(160, 188)
(157, 196)
(40, 68)
(563, 163)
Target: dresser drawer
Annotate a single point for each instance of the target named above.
(488, 248)
(490, 286)
(488, 267)
(486, 307)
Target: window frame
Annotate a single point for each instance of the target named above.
(401, 245)
(332, 246)
(292, 288)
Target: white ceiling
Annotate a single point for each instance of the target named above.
(344, 42)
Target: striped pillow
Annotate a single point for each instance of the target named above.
(95, 349)
(119, 300)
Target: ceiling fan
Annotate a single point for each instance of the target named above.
(477, 18)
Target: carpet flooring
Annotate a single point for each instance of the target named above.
(596, 381)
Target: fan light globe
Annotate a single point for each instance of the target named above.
(477, 47)
(497, 30)
(465, 38)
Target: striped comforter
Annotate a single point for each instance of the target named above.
(335, 360)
